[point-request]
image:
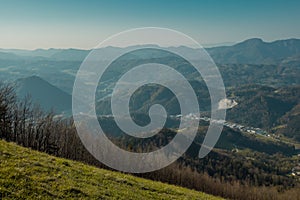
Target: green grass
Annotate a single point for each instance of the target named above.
(28, 174)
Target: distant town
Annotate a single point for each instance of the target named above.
(231, 125)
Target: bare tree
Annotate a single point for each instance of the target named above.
(7, 104)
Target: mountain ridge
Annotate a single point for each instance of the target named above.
(250, 51)
(45, 94)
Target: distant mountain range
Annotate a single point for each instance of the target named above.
(256, 51)
(275, 65)
(251, 51)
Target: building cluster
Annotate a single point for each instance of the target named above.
(296, 170)
(231, 125)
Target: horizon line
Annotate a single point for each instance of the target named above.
(205, 45)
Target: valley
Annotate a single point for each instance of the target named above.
(258, 149)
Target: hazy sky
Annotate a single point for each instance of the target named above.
(34, 24)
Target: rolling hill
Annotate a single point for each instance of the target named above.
(28, 174)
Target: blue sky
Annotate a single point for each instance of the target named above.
(35, 24)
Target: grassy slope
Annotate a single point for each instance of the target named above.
(25, 173)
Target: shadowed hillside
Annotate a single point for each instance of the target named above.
(46, 95)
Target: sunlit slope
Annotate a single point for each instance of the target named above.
(29, 174)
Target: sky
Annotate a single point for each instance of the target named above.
(33, 24)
